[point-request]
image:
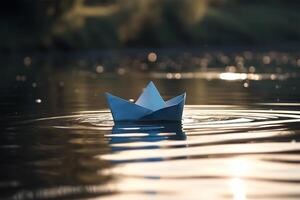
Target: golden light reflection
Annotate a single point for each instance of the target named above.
(266, 60)
(227, 76)
(233, 76)
(246, 85)
(298, 62)
(152, 57)
(99, 69)
(237, 186)
(238, 168)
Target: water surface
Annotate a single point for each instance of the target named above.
(238, 138)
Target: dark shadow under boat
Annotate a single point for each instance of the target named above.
(130, 132)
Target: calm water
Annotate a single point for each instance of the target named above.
(239, 138)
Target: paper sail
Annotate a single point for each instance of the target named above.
(150, 106)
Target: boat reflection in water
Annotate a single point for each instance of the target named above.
(129, 132)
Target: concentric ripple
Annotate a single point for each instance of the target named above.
(218, 152)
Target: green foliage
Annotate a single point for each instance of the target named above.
(78, 24)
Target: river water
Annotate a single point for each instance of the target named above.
(238, 138)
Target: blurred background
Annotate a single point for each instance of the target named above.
(44, 25)
(47, 44)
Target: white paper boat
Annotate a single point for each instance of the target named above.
(150, 106)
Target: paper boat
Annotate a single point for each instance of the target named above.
(150, 106)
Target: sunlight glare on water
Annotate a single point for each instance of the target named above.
(218, 152)
(239, 137)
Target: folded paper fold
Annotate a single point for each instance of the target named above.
(150, 106)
